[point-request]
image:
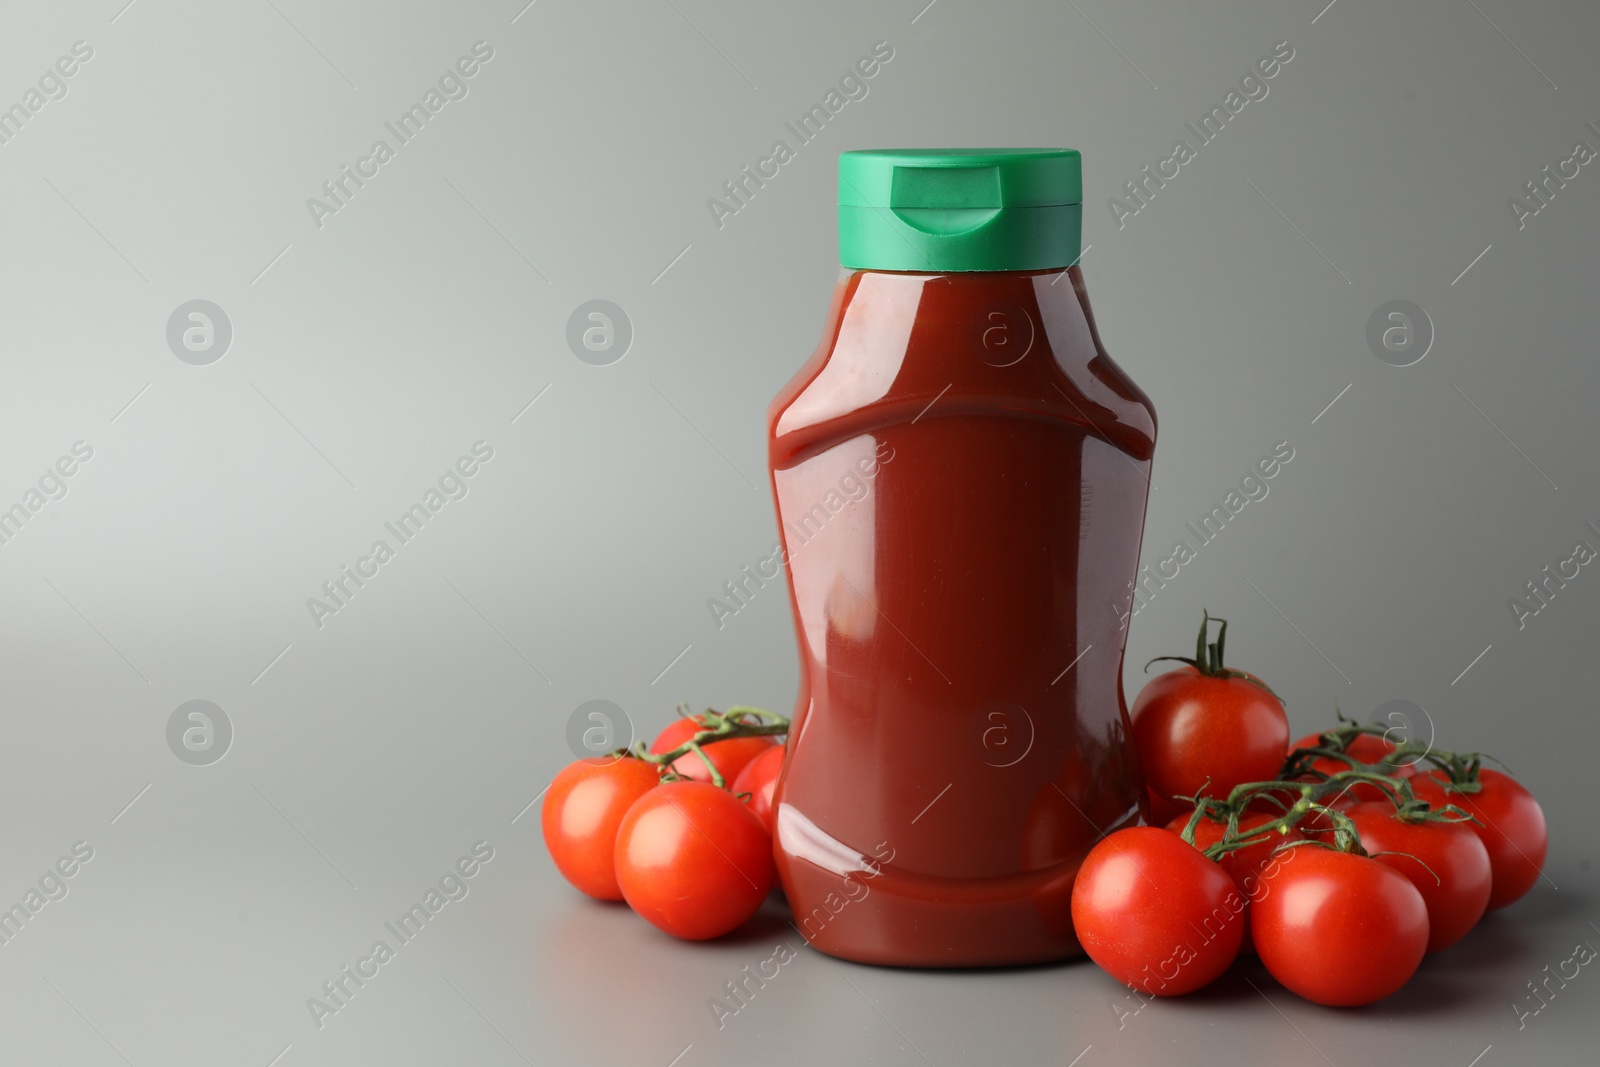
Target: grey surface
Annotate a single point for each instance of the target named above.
(368, 355)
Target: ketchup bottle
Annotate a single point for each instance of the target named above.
(960, 474)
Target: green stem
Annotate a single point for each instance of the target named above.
(1208, 658)
(1301, 789)
(738, 721)
(1312, 792)
(1460, 768)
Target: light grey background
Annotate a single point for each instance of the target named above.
(369, 354)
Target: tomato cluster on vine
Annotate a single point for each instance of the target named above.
(682, 830)
(1340, 860)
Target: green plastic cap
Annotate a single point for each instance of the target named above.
(960, 209)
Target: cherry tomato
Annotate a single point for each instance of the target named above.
(693, 860)
(1189, 727)
(729, 756)
(582, 810)
(1444, 860)
(759, 778)
(1155, 914)
(1337, 928)
(1362, 748)
(1243, 865)
(1512, 829)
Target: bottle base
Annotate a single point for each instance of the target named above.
(892, 918)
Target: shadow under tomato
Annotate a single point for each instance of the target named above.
(1441, 987)
(1233, 988)
(1438, 989)
(1248, 982)
(1497, 941)
(770, 924)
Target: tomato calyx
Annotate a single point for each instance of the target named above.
(738, 721)
(1415, 810)
(1208, 657)
(1461, 769)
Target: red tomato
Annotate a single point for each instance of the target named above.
(1512, 829)
(1337, 928)
(1444, 860)
(582, 810)
(1189, 727)
(1362, 748)
(1243, 865)
(1155, 914)
(729, 756)
(692, 860)
(759, 778)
